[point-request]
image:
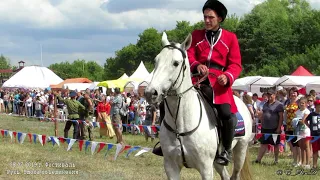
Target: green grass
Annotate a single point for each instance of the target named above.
(97, 166)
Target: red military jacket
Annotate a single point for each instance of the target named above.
(224, 52)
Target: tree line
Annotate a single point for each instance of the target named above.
(275, 38)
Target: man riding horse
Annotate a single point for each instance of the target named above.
(215, 53)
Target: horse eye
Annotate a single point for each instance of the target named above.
(176, 63)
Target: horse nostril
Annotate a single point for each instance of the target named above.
(155, 93)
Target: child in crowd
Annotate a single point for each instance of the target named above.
(301, 128)
(314, 124)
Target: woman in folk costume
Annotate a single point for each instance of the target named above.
(103, 111)
(216, 51)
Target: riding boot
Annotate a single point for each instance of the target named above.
(227, 133)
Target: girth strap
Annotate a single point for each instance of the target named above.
(185, 133)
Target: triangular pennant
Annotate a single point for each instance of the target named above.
(109, 147)
(52, 140)
(93, 147)
(154, 129)
(126, 125)
(308, 138)
(2, 132)
(35, 138)
(19, 136)
(30, 137)
(14, 135)
(56, 140)
(101, 146)
(22, 137)
(137, 128)
(68, 140)
(44, 139)
(98, 125)
(126, 147)
(298, 139)
(94, 124)
(158, 127)
(275, 138)
(70, 144)
(5, 133)
(80, 144)
(86, 145)
(141, 128)
(144, 150)
(290, 138)
(282, 137)
(315, 138)
(61, 139)
(258, 136)
(40, 139)
(266, 136)
(119, 147)
(132, 150)
(10, 134)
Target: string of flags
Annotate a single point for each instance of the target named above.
(139, 128)
(285, 137)
(44, 139)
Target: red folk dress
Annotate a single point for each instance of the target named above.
(224, 52)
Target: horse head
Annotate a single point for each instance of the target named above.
(172, 70)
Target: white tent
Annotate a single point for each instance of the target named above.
(93, 85)
(315, 85)
(33, 77)
(77, 86)
(124, 76)
(296, 80)
(140, 73)
(147, 80)
(243, 83)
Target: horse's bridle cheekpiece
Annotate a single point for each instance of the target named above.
(167, 93)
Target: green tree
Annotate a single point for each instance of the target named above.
(4, 62)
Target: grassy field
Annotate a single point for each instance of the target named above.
(144, 167)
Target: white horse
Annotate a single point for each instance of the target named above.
(189, 138)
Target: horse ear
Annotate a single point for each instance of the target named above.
(187, 42)
(164, 39)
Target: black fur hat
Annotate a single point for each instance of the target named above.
(217, 6)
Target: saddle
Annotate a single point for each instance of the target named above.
(205, 92)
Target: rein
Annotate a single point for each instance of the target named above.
(179, 95)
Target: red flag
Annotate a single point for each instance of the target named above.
(308, 138)
(44, 139)
(61, 139)
(154, 129)
(80, 144)
(282, 137)
(30, 137)
(258, 136)
(125, 148)
(102, 125)
(79, 121)
(14, 134)
(2, 132)
(101, 146)
(141, 128)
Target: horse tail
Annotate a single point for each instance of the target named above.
(245, 173)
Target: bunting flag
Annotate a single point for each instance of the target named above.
(80, 144)
(40, 139)
(30, 137)
(22, 137)
(35, 138)
(52, 140)
(126, 147)
(86, 145)
(154, 129)
(298, 138)
(109, 147)
(266, 136)
(19, 136)
(2, 133)
(137, 128)
(61, 139)
(43, 139)
(10, 133)
(315, 139)
(101, 146)
(70, 143)
(56, 140)
(290, 138)
(144, 150)
(132, 150)
(259, 135)
(98, 124)
(275, 138)
(93, 147)
(119, 147)
(14, 135)
(6, 133)
(102, 125)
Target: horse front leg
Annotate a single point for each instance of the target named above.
(206, 169)
(172, 169)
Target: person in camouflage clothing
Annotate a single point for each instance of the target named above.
(86, 115)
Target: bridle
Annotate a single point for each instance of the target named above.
(173, 92)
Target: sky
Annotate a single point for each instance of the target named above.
(91, 29)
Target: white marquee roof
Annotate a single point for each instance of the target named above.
(140, 73)
(33, 77)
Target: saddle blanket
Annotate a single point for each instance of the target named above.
(240, 129)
